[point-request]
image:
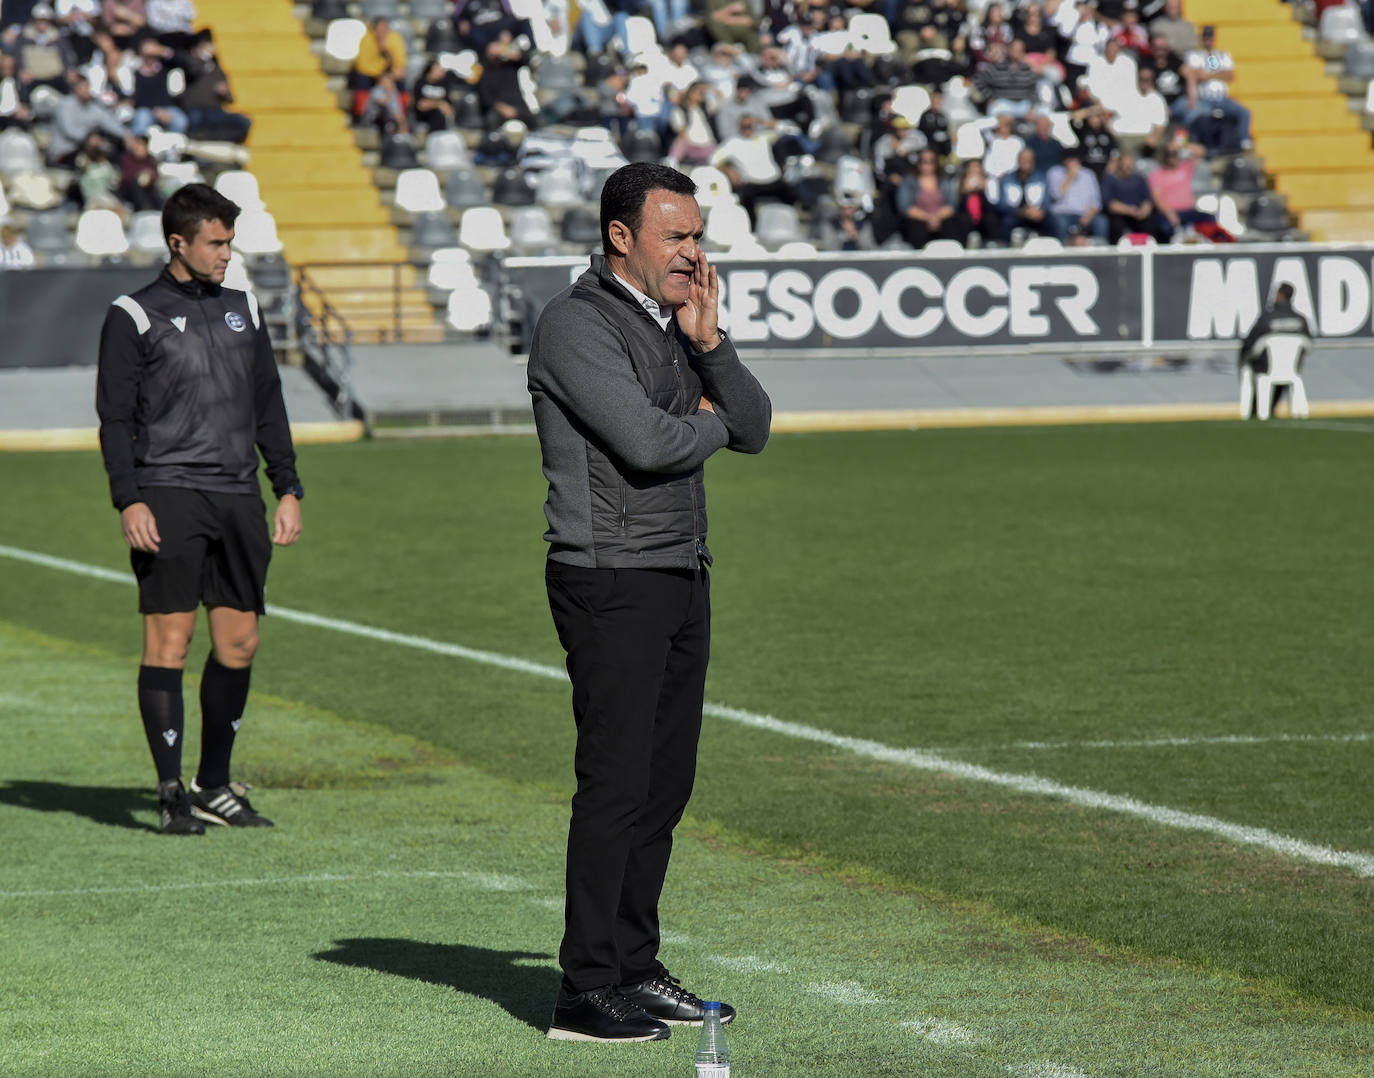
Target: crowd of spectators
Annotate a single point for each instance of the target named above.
(95, 83)
(1073, 104)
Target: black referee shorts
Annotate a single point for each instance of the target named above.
(215, 549)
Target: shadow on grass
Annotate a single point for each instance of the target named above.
(526, 992)
(113, 805)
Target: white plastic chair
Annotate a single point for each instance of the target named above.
(101, 233)
(969, 141)
(557, 186)
(470, 309)
(1040, 245)
(241, 188)
(798, 249)
(1285, 353)
(236, 273)
(255, 233)
(713, 186)
(19, 153)
(778, 223)
(531, 228)
(342, 38)
(1341, 25)
(418, 191)
(447, 151)
(943, 248)
(872, 34)
(145, 232)
(450, 274)
(482, 230)
(727, 226)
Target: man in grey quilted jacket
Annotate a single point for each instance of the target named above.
(634, 386)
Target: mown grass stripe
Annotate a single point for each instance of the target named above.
(915, 759)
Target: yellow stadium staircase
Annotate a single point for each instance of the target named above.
(1314, 148)
(311, 173)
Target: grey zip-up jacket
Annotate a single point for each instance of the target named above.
(616, 407)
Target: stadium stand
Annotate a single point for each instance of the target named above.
(358, 183)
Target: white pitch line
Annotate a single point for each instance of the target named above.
(482, 881)
(1171, 742)
(914, 759)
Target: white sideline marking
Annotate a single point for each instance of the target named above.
(849, 993)
(1177, 742)
(915, 759)
(482, 881)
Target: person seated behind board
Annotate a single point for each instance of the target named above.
(1278, 317)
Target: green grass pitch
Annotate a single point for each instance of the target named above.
(910, 627)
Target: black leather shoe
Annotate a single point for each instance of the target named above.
(663, 997)
(603, 1014)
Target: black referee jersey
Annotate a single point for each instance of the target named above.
(187, 387)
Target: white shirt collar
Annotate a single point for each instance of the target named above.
(661, 315)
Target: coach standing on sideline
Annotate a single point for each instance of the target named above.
(187, 388)
(634, 386)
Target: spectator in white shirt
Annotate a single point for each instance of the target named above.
(14, 94)
(1004, 144)
(14, 252)
(1143, 118)
(748, 162)
(1113, 77)
(1209, 72)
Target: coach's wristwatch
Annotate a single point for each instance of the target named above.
(295, 488)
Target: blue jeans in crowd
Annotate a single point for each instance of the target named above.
(146, 118)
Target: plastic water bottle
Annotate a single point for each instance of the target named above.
(713, 1057)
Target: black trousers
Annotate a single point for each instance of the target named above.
(638, 641)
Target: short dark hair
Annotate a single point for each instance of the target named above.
(622, 199)
(1285, 293)
(193, 205)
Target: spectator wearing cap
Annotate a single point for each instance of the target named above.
(1126, 196)
(207, 92)
(894, 146)
(125, 21)
(1209, 72)
(1075, 201)
(1007, 82)
(1179, 32)
(1023, 197)
(77, 115)
(748, 162)
(1171, 189)
(14, 95)
(46, 56)
(152, 97)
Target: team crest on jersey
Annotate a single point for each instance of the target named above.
(235, 321)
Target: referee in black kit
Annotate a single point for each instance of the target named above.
(187, 392)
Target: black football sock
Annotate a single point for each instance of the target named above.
(223, 694)
(160, 704)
